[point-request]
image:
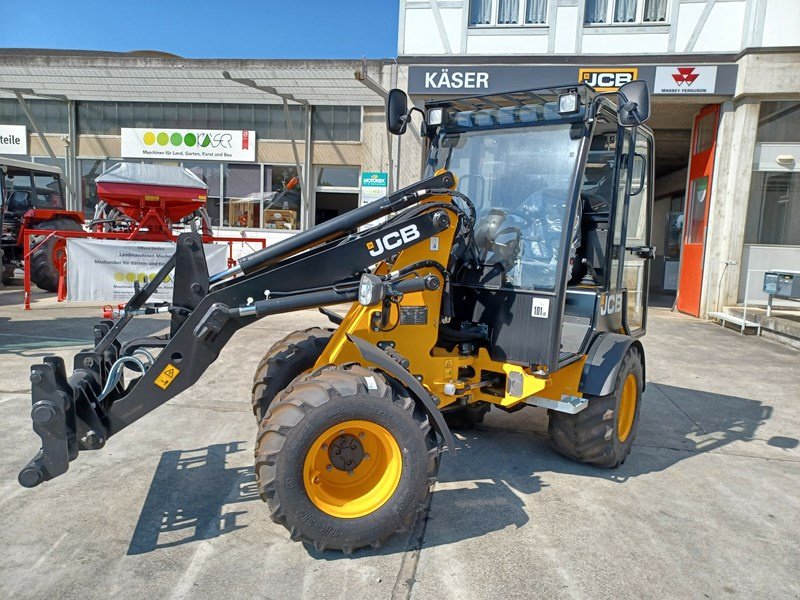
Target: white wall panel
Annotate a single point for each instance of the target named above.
(782, 23)
(422, 36)
(507, 44)
(566, 24)
(723, 30)
(453, 26)
(625, 43)
(688, 15)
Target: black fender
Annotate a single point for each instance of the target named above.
(372, 354)
(603, 361)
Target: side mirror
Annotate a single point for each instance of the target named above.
(397, 112)
(634, 103)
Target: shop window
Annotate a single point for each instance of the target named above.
(604, 12)
(50, 116)
(282, 198)
(779, 122)
(209, 173)
(336, 192)
(90, 169)
(338, 177)
(774, 211)
(267, 120)
(507, 12)
(336, 124)
(242, 187)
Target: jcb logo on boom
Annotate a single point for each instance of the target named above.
(610, 304)
(393, 240)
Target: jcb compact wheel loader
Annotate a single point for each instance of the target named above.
(514, 274)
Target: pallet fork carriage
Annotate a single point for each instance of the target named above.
(502, 279)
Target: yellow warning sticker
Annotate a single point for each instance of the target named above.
(167, 376)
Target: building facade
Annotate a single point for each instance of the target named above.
(246, 127)
(725, 78)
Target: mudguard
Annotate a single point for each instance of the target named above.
(372, 354)
(603, 361)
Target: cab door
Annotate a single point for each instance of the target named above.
(631, 251)
(638, 249)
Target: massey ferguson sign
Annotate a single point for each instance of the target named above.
(685, 80)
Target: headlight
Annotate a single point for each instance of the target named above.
(568, 103)
(435, 116)
(370, 290)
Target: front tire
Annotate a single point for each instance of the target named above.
(287, 359)
(344, 460)
(602, 434)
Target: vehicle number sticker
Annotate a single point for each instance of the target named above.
(167, 376)
(540, 308)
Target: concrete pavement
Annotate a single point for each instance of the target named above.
(707, 505)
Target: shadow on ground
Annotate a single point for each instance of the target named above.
(188, 497)
(481, 485)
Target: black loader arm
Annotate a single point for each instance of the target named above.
(80, 411)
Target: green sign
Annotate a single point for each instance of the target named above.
(376, 179)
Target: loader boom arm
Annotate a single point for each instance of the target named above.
(82, 410)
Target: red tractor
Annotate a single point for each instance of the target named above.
(32, 197)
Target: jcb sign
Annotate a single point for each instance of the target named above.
(607, 80)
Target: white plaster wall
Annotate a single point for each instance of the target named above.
(688, 15)
(625, 43)
(782, 23)
(723, 30)
(421, 34)
(566, 26)
(507, 44)
(453, 26)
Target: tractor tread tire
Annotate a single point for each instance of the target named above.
(286, 360)
(289, 418)
(44, 273)
(590, 436)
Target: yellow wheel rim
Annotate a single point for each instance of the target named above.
(627, 408)
(352, 469)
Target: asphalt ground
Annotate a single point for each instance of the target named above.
(706, 506)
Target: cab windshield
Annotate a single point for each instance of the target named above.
(520, 180)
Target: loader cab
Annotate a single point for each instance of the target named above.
(561, 182)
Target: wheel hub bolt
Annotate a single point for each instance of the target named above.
(316, 479)
(324, 446)
(362, 435)
(329, 468)
(366, 457)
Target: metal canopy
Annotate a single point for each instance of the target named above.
(126, 78)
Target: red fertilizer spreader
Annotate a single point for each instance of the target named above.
(149, 201)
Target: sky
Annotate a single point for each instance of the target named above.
(207, 28)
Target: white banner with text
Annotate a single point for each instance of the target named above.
(105, 270)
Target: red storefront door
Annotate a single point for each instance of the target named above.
(696, 210)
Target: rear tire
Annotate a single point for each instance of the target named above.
(321, 504)
(602, 434)
(44, 268)
(287, 359)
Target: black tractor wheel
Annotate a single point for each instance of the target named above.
(602, 434)
(345, 460)
(48, 259)
(287, 359)
(466, 417)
